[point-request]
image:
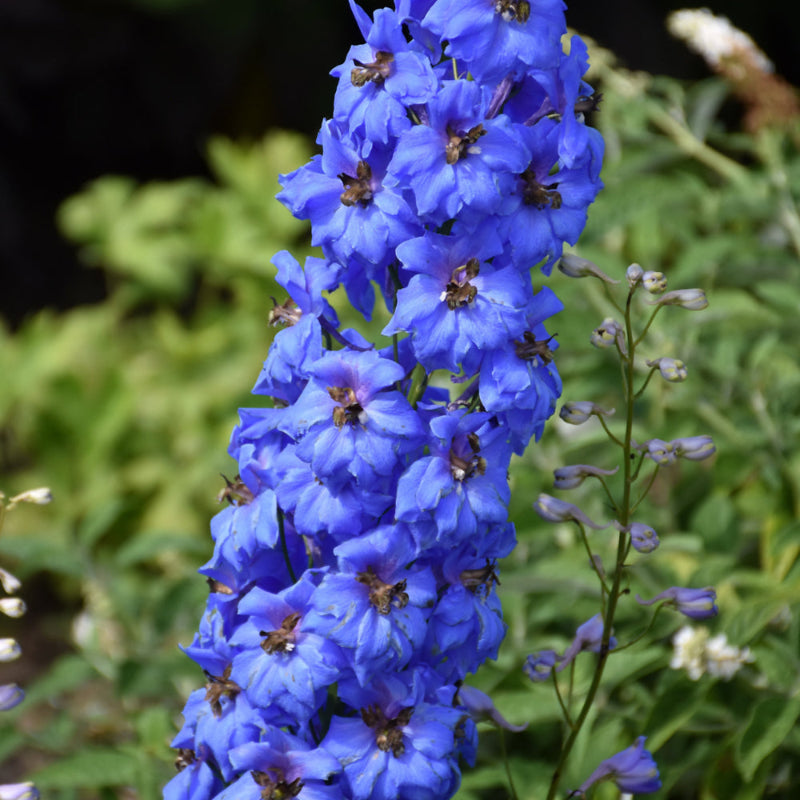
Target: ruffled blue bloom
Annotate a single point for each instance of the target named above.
(495, 38)
(451, 495)
(376, 606)
(196, 779)
(458, 159)
(347, 421)
(381, 79)
(282, 766)
(403, 744)
(456, 304)
(281, 662)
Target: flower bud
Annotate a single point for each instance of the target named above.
(694, 448)
(577, 267)
(654, 282)
(693, 603)
(554, 510)
(633, 770)
(12, 607)
(481, 708)
(671, 369)
(539, 666)
(659, 451)
(9, 582)
(589, 636)
(607, 334)
(10, 696)
(643, 538)
(40, 497)
(690, 299)
(570, 477)
(19, 791)
(9, 649)
(634, 275)
(576, 412)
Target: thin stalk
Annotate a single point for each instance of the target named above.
(284, 547)
(564, 709)
(511, 788)
(622, 549)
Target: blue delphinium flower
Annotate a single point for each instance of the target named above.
(354, 574)
(693, 603)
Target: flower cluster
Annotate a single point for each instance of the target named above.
(353, 579)
(633, 769)
(11, 695)
(696, 651)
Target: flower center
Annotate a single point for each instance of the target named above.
(459, 292)
(358, 189)
(458, 145)
(235, 492)
(537, 194)
(281, 640)
(511, 10)
(286, 313)
(185, 758)
(528, 349)
(349, 409)
(383, 595)
(376, 72)
(276, 788)
(474, 579)
(388, 733)
(461, 467)
(217, 688)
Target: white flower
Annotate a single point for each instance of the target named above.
(698, 654)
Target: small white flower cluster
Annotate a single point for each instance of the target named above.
(698, 653)
(714, 38)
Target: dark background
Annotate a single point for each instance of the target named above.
(89, 87)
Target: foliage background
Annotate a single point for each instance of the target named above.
(124, 407)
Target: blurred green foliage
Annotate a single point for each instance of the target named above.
(124, 409)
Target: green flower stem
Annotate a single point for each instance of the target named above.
(564, 709)
(599, 574)
(640, 392)
(622, 550)
(608, 432)
(646, 488)
(646, 328)
(511, 788)
(643, 633)
(419, 380)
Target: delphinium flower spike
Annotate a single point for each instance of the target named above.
(354, 575)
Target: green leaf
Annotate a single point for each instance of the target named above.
(91, 767)
(769, 724)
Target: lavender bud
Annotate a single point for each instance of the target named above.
(654, 282)
(671, 369)
(694, 603)
(634, 275)
(481, 708)
(607, 334)
(9, 649)
(690, 299)
(19, 791)
(643, 538)
(9, 582)
(659, 451)
(576, 267)
(694, 448)
(12, 607)
(539, 666)
(554, 510)
(576, 412)
(588, 636)
(10, 696)
(570, 477)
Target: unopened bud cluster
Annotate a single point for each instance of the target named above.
(11, 695)
(633, 770)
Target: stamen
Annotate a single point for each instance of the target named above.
(383, 595)
(349, 409)
(461, 468)
(474, 579)
(376, 72)
(286, 313)
(458, 145)
(217, 688)
(459, 292)
(388, 735)
(510, 10)
(537, 194)
(358, 189)
(276, 788)
(281, 640)
(530, 348)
